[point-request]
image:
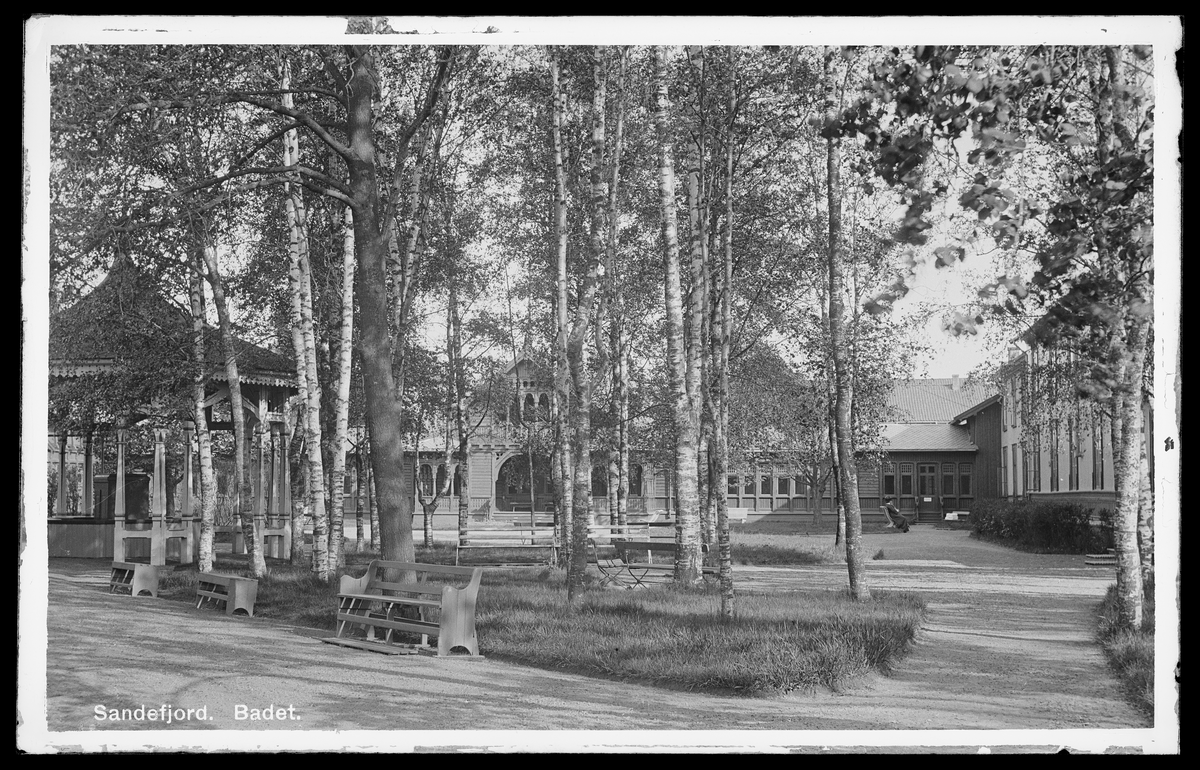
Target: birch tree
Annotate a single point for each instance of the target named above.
(304, 345)
(208, 482)
(1090, 110)
(250, 525)
(843, 427)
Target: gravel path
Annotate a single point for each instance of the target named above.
(1008, 647)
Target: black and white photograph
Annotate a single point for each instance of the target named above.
(600, 384)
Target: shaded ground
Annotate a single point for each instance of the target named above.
(1009, 645)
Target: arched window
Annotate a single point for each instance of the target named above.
(457, 481)
(441, 477)
(544, 408)
(426, 480)
(635, 480)
(527, 413)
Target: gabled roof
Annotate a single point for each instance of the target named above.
(927, 438)
(977, 408)
(935, 400)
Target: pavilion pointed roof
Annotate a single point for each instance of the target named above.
(127, 313)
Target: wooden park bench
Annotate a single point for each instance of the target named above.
(139, 579)
(442, 598)
(516, 545)
(640, 563)
(236, 593)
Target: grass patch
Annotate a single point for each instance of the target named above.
(674, 637)
(1131, 652)
(783, 548)
(667, 636)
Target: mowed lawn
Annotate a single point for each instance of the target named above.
(669, 636)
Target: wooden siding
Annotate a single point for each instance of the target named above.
(985, 432)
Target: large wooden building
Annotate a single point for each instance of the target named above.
(931, 465)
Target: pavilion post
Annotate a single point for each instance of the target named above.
(158, 511)
(260, 483)
(187, 471)
(118, 493)
(88, 471)
(189, 550)
(278, 481)
(60, 499)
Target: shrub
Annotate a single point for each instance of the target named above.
(1042, 525)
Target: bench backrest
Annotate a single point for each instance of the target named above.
(650, 546)
(376, 579)
(220, 578)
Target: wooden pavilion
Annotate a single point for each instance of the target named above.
(120, 358)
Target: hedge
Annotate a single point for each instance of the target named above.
(1043, 526)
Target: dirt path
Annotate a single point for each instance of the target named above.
(1008, 646)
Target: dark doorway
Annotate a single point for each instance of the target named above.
(927, 492)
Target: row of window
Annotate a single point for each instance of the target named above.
(1032, 468)
(908, 479)
(516, 484)
(764, 484)
(902, 479)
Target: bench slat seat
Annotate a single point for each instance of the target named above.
(445, 610)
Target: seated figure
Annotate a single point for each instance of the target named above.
(893, 515)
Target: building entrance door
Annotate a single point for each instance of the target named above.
(928, 504)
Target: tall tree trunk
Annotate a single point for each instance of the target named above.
(843, 428)
(621, 388)
(618, 487)
(360, 500)
(1127, 347)
(577, 352)
(458, 379)
(721, 395)
(373, 228)
(1127, 457)
(563, 470)
(304, 343)
(373, 509)
(688, 565)
(1145, 515)
(208, 486)
(341, 407)
(689, 531)
(250, 525)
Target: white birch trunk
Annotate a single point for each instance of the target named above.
(341, 431)
(252, 531)
(208, 485)
(304, 342)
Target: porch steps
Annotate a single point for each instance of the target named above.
(1101, 559)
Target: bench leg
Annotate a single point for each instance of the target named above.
(349, 607)
(457, 625)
